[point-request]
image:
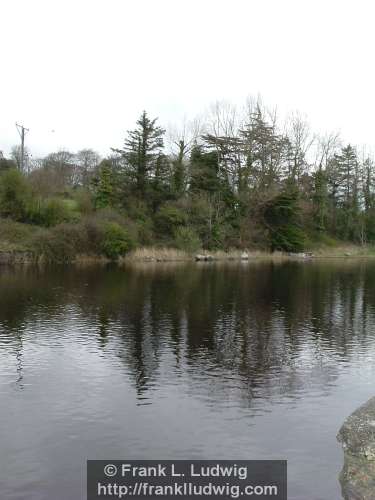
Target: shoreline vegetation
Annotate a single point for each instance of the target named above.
(231, 183)
(171, 255)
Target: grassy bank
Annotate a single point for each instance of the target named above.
(345, 251)
(153, 254)
(324, 246)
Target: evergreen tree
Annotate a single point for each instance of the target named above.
(179, 177)
(368, 218)
(179, 163)
(344, 181)
(320, 200)
(160, 184)
(104, 185)
(265, 151)
(282, 219)
(142, 149)
(204, 170)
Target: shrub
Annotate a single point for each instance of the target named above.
(14, 193)
(61, 243)
(95, 234)
(15, 234)
(145, 233)
(109, 215)
(14, 231)
(84, 201)
(116, 242)
(169, 218)
(64, 242)
(187, 239)
(50, 212)
(54, 212)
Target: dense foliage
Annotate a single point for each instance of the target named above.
(234, 180)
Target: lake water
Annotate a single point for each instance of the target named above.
(209, 361)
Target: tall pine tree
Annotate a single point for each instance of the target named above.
(142, 151)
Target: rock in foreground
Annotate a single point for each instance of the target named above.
(357, 436)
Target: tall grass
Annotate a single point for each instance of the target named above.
(164, 254)
(155, 254)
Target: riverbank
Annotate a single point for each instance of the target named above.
(102, 240)
(164, 254)
(155, 254)
(106, 237)
(344, 250)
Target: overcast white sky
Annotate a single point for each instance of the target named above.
(86, 69)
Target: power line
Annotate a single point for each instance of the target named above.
(21, 130)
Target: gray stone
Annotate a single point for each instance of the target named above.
(357, 436)
(357, 478)
(203, 257)
(301, 255)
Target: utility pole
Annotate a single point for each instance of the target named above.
(21, 130)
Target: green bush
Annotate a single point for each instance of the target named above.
(61, 243)
(14, 194)
(50, 212)
(116, 241)
(187, 239)
(109, 215)
(54, 212)
(66, 241)
(168, 219)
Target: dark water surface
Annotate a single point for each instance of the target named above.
(236, 361)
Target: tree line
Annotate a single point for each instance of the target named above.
(234, 179)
